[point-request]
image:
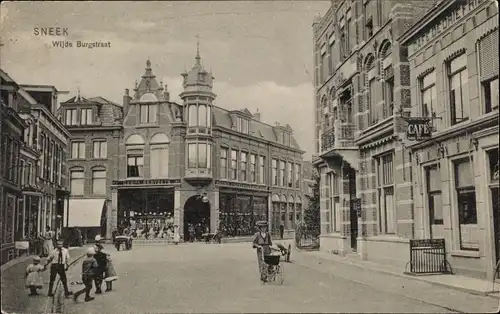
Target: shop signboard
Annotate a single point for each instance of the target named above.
(418, 129)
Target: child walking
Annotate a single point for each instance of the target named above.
(34, 280)
(89, 266)
(110, 274)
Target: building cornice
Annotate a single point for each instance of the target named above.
(52, 119)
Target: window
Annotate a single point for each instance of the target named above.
(243, 166)
(234, 164)
(202, 115)
(491, 99)
(282, 173)
(135, 165)
(78, 150)
(385, 188)
(86, 117)
(262, 162)
(199, 155)
(297, 176)
(29, 174)
(331, 50)
(148, 113)
(324, 64)
(158, 161)
(77, 180)
(433, 182)
(100, 149)
(370, 11)
(275, 171)
(242, 125)
(372, 104)
(389, 97)
(488, 57)
(466, 201)
(253, 168)
(99, 182)
(23, 172)
(459, 95)
(71, 117)
(430, 105)
(223, 163)
(192, 115)
(290, 174)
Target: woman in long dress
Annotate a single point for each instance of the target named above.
(262, 242)
(48, 245)
(109, 273)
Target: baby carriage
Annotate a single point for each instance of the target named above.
(273, 267)
(212, 237)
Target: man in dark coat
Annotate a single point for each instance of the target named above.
(102, 263)
(282, 231)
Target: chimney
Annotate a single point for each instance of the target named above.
(166, 94)
(256, 115)
(126, 101)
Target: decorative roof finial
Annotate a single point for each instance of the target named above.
(198, 50)
(148, 64)
(78, 93)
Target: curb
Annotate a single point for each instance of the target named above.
(417, 278)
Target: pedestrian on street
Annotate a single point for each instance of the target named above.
(282, 231)
(191, 232)
(89, 265)
(177, 237)
(102, 262)
(34, 280)
(262, 242)
(59, 267)
(48, 244)
(110, 273)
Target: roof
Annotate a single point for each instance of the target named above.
(109, 113)
(222, 118)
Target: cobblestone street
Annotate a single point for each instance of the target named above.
(223, 278)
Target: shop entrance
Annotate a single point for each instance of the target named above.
(197, 215)
(353, 210)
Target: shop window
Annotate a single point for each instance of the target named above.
(466, 204)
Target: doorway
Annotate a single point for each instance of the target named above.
(197, 214)
(353, 211)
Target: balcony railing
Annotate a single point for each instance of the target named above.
(340, 136)
(328, 140)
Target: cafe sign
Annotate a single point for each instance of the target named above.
(418, 128)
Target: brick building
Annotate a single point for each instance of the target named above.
(361, 85)
(11, 135)
(95, 125)
(453, 58)
(193, 161)
(52, 139)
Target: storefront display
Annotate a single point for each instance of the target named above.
(239, 213)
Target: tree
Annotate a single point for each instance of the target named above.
(312, 222)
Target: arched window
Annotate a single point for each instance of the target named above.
(99, 181)
(159, 156)
(371, 84)
(385, 49)
(135, 156)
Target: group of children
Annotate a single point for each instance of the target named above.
(96, 267)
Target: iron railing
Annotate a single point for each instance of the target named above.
(307, 241)
(428, 256)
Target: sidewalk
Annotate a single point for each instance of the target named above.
(458, 282)
(452, 294)
(15, 296)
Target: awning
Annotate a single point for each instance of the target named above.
(85, 212)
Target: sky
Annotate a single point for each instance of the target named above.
(260, 52)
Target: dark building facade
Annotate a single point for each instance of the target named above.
(11, 139)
